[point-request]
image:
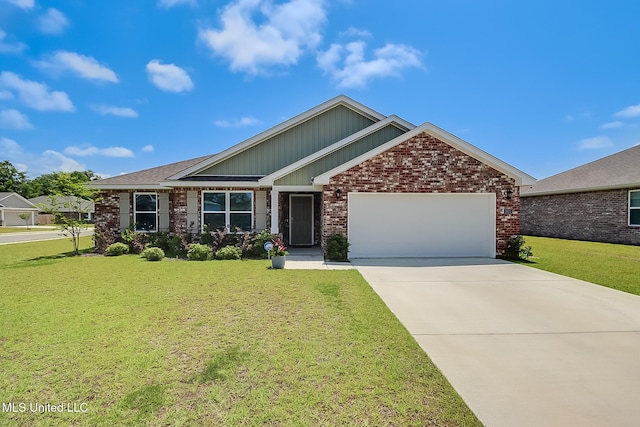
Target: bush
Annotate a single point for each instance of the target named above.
(256, 249)
(198, 252)
(152, 253)
(516, 249)
(229, 252)
(337, 248)
(116, 249)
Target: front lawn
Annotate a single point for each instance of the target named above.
(217, 343)
(614, 266)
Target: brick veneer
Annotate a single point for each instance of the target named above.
(107, 211)
(422, 164)
(600, 216)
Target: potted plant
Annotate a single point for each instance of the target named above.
(277, 253)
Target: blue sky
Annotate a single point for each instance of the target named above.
(120, 86)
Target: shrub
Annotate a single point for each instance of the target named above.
(229, 252)
(198, 252)
(257, 241)
(116, 249)
(337, 248)
(152, 253)
(516, 249)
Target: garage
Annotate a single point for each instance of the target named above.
(422, 225)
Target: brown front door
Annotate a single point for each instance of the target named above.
(301, 219)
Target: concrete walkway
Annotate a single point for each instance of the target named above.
(312, 259)
(523, 347)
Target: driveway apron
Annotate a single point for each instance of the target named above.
(523, 347)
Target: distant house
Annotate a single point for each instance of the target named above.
(12, 205)
(68, 206)
(393, 188)
(599, 201)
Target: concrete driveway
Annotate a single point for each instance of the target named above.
(523, 347)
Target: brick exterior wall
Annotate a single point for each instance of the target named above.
(423, 164)
(107, 211)
(600, 216)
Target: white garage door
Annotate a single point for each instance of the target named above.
(422, 225)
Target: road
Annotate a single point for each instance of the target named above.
(34, 236)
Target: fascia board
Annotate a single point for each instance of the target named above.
(391, 120)
(129, 187)
(300, 118)
(630, 185)
(520, 177)
(177, 184)
(298, 188)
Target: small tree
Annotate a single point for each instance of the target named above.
(25, 217)
(72, 196)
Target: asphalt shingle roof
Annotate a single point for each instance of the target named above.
(150, 176)
(619, 170)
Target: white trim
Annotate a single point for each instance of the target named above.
(130, 187)
(135, 211)
(630, 208)
(391, 120)
(275, 229)
(207, 184)
(299, 188)
(227, 208)
(302, 196)
(486, 158)
(300, 118)
(579, 190)
(14, 194)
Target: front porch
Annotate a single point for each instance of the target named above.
(298, 218)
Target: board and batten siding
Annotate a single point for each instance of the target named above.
(293, 144)
(304, 175)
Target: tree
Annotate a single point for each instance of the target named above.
(25, 217)
(11, 180)
(70, 195)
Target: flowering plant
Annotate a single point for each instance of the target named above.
(278, 248)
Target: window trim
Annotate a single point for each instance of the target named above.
(135, 211)
(630, 208)
(227, 212)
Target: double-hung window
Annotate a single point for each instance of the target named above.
(634, 207)
(230, 210)
(145, 212)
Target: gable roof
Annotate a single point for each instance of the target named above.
(619, 170)
(332, 104)
(15, 201)
(45, 202)
(148, 178)
(520, 177)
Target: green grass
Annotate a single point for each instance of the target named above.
(24, 229)
(220, 343)
(614, 266)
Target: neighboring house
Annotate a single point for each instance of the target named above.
(11, 206)
(392, 188)
(599, 201)
(69, 206)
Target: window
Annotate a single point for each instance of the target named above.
(634, 207)
(227, 210)
(145, 211)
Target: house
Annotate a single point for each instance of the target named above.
(12, 205)
(392, 188)
(70, 206)
(599, 201)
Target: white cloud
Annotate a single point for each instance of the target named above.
(35, 95)
(52, 22)
(90, 150)
(169, 77)
(347, 64)
(8, 47)
(631, 111)
(355, 32)
(612, 125)
(86, 67)
(595, 143)
(14, 119)
(114, 111)
(148, 148)
(170, 3)
(278, 36)
(23, 4)
(5, 94)
(242, 122)
(37, 164)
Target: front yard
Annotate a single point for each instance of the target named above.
(614, 266)
(124, 341)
